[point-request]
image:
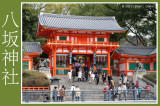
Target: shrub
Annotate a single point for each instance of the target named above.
(34, 79)
(151, 77)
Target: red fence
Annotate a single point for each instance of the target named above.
(35, 88)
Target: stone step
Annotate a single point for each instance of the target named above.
(85, 85)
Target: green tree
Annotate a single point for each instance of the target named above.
(30, 14)
(139, 19)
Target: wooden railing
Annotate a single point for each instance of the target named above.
(35, 88)
(80, 43)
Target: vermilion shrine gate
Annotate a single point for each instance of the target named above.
(73, 39)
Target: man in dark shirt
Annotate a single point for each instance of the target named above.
(86, 68)
(86, 75)
(109, 79)
(74, 75)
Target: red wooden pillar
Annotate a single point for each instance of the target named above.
(51, 64)
(54, 61)
(126, 66)
(31, 63)
(109, 69)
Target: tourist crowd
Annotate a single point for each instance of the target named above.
(91, 75)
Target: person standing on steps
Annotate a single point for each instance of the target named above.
(78, 93)
(104, 78)
(125, 79)
(86, 68)
(54, 91)
(119, 82)
(90, 71)
(148, 91)
(83, 74)
(137, 83)
(62, 94)
(58, 93)
(97, 78)
(79, 75)
(73, 92)
(86, 75)
(105, 93)
(92, 78)
(109, 79)
(122, 76)
(73, 75)
(98, 70)
(69, 76)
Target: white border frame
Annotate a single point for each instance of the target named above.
(156, 3)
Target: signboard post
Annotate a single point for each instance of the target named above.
(70, 58)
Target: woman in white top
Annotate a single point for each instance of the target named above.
(58, 93)
(125, 80)
(79, 75)
(93, 77)
(69, 76)
(90, 72)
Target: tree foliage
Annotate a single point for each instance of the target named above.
(139, 19)
(30, 14)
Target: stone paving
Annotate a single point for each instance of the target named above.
(83, 85)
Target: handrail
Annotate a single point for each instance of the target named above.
(35, 88)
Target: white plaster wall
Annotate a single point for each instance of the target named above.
(122, 66)
(84, 51)
(90, 51)
(57, 37)
(68, 38)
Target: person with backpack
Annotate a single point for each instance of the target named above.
(62, 94)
